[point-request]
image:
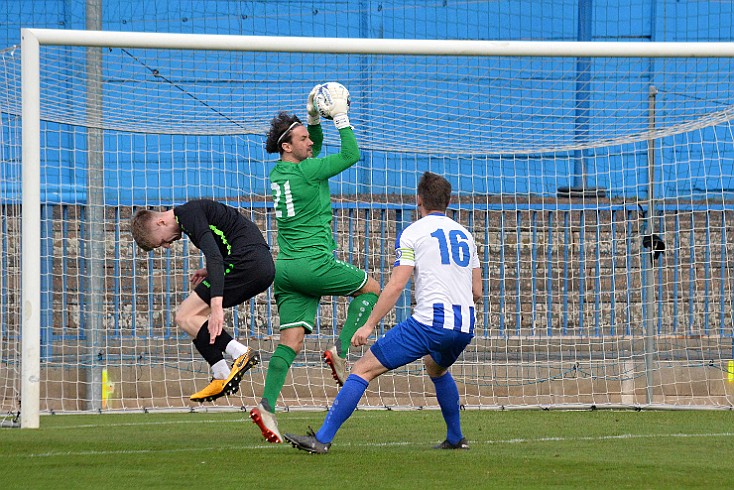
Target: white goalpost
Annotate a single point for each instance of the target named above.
(598, 179)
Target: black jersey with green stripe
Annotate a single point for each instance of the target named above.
(302, 199)
(222, 234)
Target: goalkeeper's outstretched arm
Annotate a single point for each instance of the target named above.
(317, 136)
(330, 100)
(329, 166)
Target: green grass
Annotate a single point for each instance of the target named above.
(376, 450)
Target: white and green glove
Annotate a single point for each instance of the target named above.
(332, 101)
(313, 112)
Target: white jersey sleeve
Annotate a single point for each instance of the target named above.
(444, 254)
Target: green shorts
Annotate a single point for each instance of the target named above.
(300, 283)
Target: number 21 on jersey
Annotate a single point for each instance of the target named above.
(280, 193)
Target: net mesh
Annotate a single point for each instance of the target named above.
(550, 160)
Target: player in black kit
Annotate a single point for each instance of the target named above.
(239, 266)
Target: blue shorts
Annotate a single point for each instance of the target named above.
(410, 340)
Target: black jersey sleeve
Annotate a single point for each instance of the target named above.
(214, 264)
(194, 219)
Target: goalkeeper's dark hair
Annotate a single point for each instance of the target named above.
(434, 191)
(280, 131)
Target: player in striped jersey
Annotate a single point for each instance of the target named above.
(442, 256)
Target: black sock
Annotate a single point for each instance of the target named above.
(208, 351)
(222, 340)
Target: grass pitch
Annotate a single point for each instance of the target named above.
(376, 450)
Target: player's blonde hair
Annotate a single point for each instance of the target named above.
(140, 228)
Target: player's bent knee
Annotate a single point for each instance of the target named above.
(433, 369)
(293, 338)
(191, 324)
(372, 286)
(185, 323)
(368, 367)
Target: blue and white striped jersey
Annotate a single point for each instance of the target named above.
(443, 253)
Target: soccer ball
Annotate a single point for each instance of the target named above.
(328, 94)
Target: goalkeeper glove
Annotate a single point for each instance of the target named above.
(333, 102)
(313, 112)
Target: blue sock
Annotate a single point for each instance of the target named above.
(344, 404)
(448, 399)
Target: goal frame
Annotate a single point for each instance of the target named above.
(32, 39)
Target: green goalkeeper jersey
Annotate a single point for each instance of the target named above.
(302, 199)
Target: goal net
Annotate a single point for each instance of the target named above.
(599, 186)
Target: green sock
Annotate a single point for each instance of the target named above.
(278, 367)
(357, 313)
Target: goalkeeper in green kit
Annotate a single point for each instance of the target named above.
(306, 268)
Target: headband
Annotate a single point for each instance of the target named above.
(293, 125)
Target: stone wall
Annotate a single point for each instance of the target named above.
(561, 322)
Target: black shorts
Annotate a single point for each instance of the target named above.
(251, 274)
